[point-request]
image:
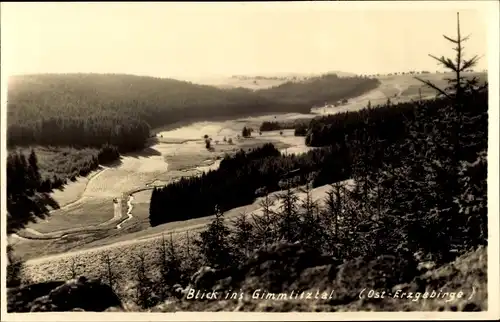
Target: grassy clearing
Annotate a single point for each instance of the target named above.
(26, 249)
(195, 154)
(397, 88)
(72, 192)
(253, 84)
(98, 208)
(131, 174)
(92, 212)
(141, 213)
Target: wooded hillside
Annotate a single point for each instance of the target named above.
(88, 110)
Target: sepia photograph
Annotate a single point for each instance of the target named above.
(316, 160)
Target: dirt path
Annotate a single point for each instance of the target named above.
(50, 258)
(95, 175)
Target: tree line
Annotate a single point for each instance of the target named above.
(300, 126)
(125, 133)
(26, 193)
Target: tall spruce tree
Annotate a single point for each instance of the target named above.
(214, 242)
(24, 203)
(289, 220)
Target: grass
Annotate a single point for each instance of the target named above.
(92, 266)
(252, 84)
(198, 154)
(71, 193)
(141, 214)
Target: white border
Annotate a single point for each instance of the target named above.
(492, 10)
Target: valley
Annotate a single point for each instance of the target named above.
(253, 152)
(89, 217)
(109, 208)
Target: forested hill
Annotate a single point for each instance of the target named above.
(95, 109)
(318, 90)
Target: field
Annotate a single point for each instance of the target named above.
(177, 152)
(256, 82)
(398, 88)
(76, 216)
(229, 82)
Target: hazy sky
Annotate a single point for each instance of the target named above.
(203, 39)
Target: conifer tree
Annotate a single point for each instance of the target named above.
(437, 150)
(24, 201)
(333, 213)
(34, 175)
(214, 242)
(311, 230)
(242, 236)
(288, 223)
(109, 273)
(458, 85)
(14, 268)
(144, 296)
(170, 266)
(265, 225)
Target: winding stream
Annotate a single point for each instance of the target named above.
(129, 212)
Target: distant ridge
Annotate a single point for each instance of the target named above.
(260, 80)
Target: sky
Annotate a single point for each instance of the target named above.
(210, 39)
